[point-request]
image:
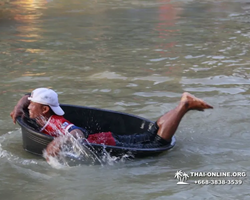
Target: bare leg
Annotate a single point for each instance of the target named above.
(170, 121)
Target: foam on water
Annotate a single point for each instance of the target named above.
(8, 148)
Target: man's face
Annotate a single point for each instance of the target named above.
(35, 110)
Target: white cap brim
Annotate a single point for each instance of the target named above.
(57, 110)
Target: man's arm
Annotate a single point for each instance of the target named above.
(19, 108)
(77, 133)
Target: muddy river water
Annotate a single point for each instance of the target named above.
(138, 57)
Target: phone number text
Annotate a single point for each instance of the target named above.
(218, 182)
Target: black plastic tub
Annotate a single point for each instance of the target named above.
(94, 120)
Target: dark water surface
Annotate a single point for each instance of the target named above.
(137, 57)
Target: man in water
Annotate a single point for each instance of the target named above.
(44, 107)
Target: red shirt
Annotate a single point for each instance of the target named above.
(58, 125)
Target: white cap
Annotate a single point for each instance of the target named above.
(47, 97)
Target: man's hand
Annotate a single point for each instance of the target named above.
(17, 111)
(54, 146)
(19, 108)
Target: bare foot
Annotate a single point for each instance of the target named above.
(193, 103)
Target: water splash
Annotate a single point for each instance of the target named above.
(72, 152)
(75, 152)
(78, 151)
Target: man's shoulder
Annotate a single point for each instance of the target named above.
(59, 119)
